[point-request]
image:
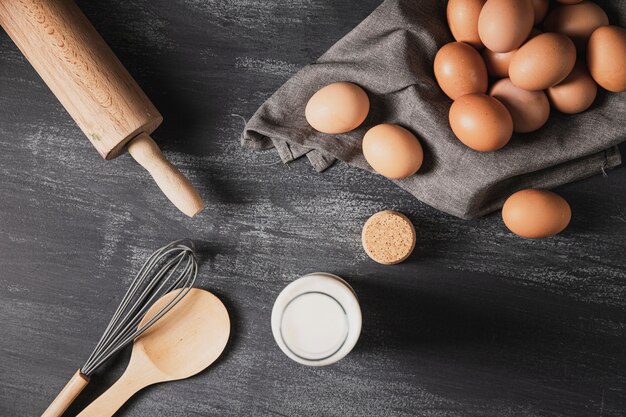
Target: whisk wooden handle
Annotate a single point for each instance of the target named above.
(108, 403)
(67, 395)
(169, 179)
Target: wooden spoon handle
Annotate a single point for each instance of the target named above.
(112, 399)
(169, 179)
(67, 395)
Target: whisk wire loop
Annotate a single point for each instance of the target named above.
(172, 267)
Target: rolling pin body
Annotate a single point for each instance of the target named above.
(91, 83)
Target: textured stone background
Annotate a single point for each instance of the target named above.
(476, 323)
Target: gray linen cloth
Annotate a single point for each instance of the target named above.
(390, 54)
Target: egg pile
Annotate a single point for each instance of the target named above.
(536, 58)
(396, 153)
(532, 69)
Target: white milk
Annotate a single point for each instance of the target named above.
(316, 319)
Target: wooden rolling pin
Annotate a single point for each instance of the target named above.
(94, 87)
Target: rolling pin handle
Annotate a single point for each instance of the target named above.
(170, 180)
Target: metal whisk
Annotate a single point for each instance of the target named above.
(172, 267)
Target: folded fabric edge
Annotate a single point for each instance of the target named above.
(287, 151)
(548, 178)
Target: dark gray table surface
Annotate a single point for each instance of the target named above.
(477, 323)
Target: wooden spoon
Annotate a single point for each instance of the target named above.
(189, 338)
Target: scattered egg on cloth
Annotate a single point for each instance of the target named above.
(542, 62)
(606, 57)
(462, 18)
(498, 62)
(535, 214)
(574, 94)
(392, 151)
(529, 109)
(337, 108)
(504, 25)
(481, 122)
(460, 70)
(577, 21)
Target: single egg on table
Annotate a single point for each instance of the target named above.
(606, 57)
(462, 18)
(392, 151)
(337, 108)
(542, 62)
(459, 70)
(574, 94)
(577, 21)
(481, 122)
(504, 25)
(529, 109)
(536, 214)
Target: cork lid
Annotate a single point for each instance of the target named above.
(388, 237)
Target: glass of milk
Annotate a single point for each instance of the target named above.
(316, 320)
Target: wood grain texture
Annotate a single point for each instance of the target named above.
(476, 323)
(94, 87)
(167, 177)
(81, 70)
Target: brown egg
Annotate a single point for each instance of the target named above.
(481, 122)
(463, 20)
(577, 21)
(392, 151)
(536, 214)
(498, 62)
(606, 55)
(576, 93)
(460, 70)
(337, 108)
(542, 62)
(529, 109)
(541, 9)
(504, 25)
